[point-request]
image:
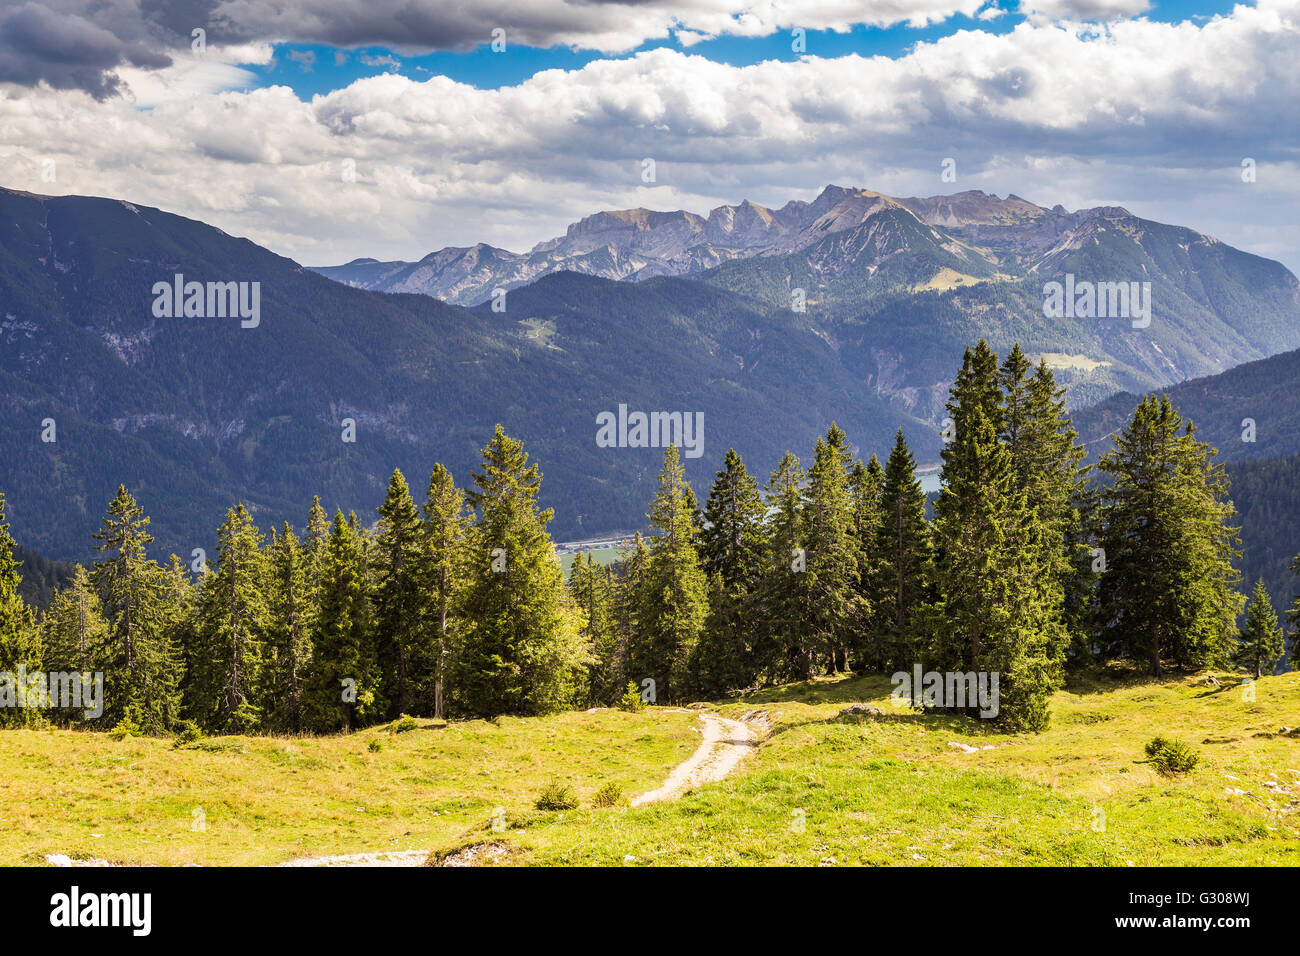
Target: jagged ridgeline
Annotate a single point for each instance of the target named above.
(457, 607)
(193, 412)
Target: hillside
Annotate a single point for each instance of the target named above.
(195, 414)
(822, 789)
(1266, 391)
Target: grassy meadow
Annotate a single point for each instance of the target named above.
(821, 789)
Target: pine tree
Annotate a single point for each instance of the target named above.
(1259, 642)
(902, 548)
(141, 683)
(522, 652)
(835, 556)
(447, 527)
(20, 645)
(315, 542)
(404, 651)
(866, 485)
(291, 619)
(1168, 593)
(342, 682)
(232, 624)
(675, 595)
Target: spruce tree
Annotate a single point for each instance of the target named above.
(591, 588)
(903, 571)
(1259, 642)
(733, 548)
(142, 680)
(839, 609)
(20, 644)
(675, 595)
(291, 619)
(342, 682)
(446, 527)
(522, 652)
(1293, 618)
(232, 624)
(784, 651)
(629, 599)
(74, 630)
(1168, 593)
(988, 559)
(405, 653)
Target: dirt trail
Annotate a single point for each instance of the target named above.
(725, 744)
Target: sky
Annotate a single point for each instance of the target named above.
(335, 129)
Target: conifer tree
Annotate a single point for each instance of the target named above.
(591, 587)
(1259, 642)
(1046, 467)
(1293, 618)
(834, 553)
(1168, 593)
(232, 623)
(141, 682)
(20, 645)
(316, 541)
(987, 559)
(342, 683)
(522, 652)
(404, 651)
(629, 593)
(74, 633)
(784, 650)
(446, 526)
(903, 573)
(74, 630)
(675, 595)
(733, 548)
(291, 619)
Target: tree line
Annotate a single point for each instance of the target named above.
(458, 607)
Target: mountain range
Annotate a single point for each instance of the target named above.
(195, 413)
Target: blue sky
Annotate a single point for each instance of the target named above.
(317, 68)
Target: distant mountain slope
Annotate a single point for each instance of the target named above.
(1266, 391)
(899, 281)
(194, 414)
(1267, 495)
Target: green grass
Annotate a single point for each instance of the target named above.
(891, 791)
(821, 789)
(267, 800)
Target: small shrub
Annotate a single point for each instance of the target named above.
(187, 734)
(402, 724)
(375, 746)
(1171, 757)
(609, 795)
(557, 796)
(631, 700)
(125, 728)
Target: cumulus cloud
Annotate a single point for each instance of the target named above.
(82, 44)
(1151, 115)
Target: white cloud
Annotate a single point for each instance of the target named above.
(1150, 115)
